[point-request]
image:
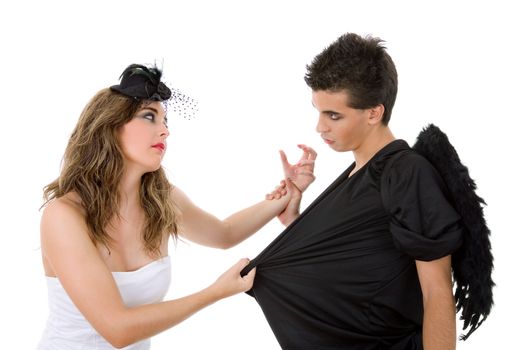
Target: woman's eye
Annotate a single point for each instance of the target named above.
(149, 116)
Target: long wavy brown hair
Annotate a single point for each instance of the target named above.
(93, 166)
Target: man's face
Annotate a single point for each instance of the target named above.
(343, 128)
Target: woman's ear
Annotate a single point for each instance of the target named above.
(376, 114)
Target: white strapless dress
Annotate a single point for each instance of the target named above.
(66, 327)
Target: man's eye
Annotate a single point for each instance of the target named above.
(334, 116)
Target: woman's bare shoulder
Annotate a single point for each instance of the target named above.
(70, 202)
(68, 209)
(62, 229)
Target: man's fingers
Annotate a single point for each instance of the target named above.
(309, 153)
(304, 172)
(306, 162)
(284, 159)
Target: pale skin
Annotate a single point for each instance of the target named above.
(360, 131)
(84, 269)
(302, 170)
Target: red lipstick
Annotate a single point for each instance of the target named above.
(160, 146)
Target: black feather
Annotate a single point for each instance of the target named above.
(473, 263)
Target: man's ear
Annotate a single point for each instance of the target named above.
(376, 114)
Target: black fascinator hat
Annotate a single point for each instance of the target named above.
(141, 82)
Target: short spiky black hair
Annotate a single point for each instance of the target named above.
(361, 67)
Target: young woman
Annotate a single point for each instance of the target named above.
(108, 218)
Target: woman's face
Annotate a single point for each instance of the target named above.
(143, 138)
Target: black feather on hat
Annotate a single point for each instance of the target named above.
(141, 82)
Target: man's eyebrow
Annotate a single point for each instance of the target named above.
(328, 111)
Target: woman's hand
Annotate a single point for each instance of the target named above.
(301, 173)
(231, 282)
(278, 192)
(291, 212)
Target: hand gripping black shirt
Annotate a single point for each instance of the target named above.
(343, 275)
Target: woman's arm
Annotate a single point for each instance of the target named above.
(439, 317)
(291, 212)
(204, 228)
(75, 260)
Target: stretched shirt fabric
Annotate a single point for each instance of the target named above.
(343, 275)
(67, 329)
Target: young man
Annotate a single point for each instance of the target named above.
(351, 272)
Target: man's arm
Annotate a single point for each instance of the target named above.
(439, 319)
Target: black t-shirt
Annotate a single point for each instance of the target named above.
(343, 275)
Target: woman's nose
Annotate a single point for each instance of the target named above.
(164, 131)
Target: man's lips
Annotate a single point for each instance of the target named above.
(328, 141)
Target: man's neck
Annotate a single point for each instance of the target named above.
(373, 144)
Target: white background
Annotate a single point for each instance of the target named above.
(460, 66)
